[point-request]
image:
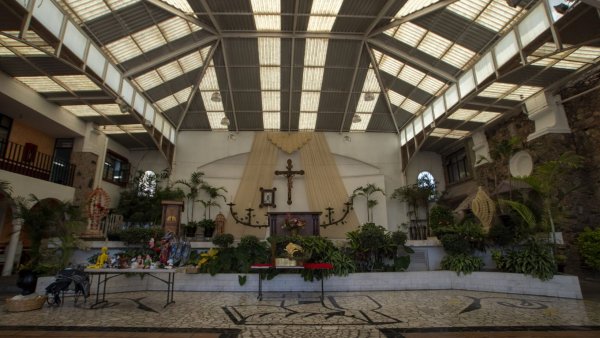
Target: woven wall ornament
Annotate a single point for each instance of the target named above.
(289, 142)
(483, 207)
(97, 206)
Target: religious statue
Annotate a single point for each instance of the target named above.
(101, 260)
(165, 248)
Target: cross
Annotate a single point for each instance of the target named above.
(289, 173)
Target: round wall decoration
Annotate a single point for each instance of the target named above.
(521, 164)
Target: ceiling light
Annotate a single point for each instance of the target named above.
(369, 96)
(356, 118)
(225, 121)
(215, 97)
(347, 138)
(123, 107)
(561, 8)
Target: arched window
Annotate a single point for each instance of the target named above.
(426, 180)
(148, 184)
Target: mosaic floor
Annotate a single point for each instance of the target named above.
(372, 314)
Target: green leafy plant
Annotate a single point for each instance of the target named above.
(367, 192)
(417, 196)
(372, 246)
(439, 218)
(213, 194)
(223, 240)
(462, 263)
(588, 244)
(534, 258)
(193, 185)
(140, 235)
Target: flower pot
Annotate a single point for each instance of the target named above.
(27, 281)
(190, 231)
(208, 232)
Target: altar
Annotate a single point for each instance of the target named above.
(277, 220)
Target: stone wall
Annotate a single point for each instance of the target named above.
(83, 181)
(581, 207)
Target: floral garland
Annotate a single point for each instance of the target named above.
(293, 223)
(97, 206)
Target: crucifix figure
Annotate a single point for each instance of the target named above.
(289, 173)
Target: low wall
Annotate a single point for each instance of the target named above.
(560, 286)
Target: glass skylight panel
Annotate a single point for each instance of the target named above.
(457, 134)
(588, 54)
(149, 114)
(494, 16)
(170, 71)
(434, 45)
(364, 106)
(458, 56)
(409, 33)
(183, 95)
(139, 103)
(41, 84)
(439, 132)
(411, 75)
(167, 103)
(497, 90)
(109, 130)
(402, 137)
(176, 28)
(564, 64)
(323, 14)
(315, 52)
(123, 49)
(90, 9)
(439, 107)
(412, 6)
(463, 114)
(484, 67)
(523, 93)
(363, 124)
(148, 80)
(267, 15)
(270, 78)
(81, 110)
(214, 119)
(271, 100)
(49, 16)
(271, 121)
(23, 48)
(395, 98)
(96, 61)
(269, 51)
(485, 117)
(410, 132)
(182, 5)
(267, 22)
(390, 65)
(77, 82)
(411, 106)
(431, 85)
(266, 6)
(309, 101)
(5, 52)
(127, 92)
(149, 38)
(75, 40)
(506, 49)
(312, 78)
(209, 104)
(371, 84)
(307, 121)
(418, 125)
(108, 109)
(209, 80)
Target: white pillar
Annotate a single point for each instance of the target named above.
(12, 246)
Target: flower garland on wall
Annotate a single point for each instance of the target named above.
(97, 206)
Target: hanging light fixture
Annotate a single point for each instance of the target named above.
(356, 118)
(215, 97)
(369, 96)
(225, 121)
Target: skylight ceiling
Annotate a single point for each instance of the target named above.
(401, 65)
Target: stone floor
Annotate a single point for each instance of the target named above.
(435, 313)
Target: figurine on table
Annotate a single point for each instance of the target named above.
(165, 248)
(101, 260)
(147, 262)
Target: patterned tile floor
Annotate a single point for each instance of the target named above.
(356, 314)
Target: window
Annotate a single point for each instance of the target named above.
(147, 185)
(5, 124)
(116, 169)
(457, 166)
(426, 181)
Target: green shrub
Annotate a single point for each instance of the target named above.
(588, 243)
(462, 263)
(373, 248)
(223, 240)
(463, 238)
(138, 235)
(440, 217)
(534, 258)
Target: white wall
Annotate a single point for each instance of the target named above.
(24, 186)
(366, 159)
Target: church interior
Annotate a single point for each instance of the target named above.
(366, 153)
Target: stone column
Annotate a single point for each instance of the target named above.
(12, 246)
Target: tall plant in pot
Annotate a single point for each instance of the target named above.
(193, 184)
(213, 193)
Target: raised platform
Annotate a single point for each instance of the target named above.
(563, 286)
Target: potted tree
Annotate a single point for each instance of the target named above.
(209, 226)
(213, 194)
(366, 192)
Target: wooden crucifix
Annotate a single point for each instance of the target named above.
(289, 173)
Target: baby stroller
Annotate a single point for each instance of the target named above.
(68, 279)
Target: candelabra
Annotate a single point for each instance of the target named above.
(246, 220)
(329, 215)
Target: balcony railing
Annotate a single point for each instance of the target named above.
(28, 161)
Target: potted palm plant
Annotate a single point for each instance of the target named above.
(367, 192)
(209, 226)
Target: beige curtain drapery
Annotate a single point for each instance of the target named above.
(324, 186)
(257, 173)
